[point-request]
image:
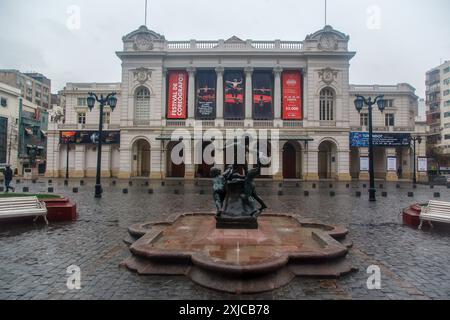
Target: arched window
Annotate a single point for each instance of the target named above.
(326, 104)
(142, 105)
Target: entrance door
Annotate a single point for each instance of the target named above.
(289, 162)
(176, 170)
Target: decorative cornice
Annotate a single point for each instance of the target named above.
(328, 75)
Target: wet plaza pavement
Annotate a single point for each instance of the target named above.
(34, 258)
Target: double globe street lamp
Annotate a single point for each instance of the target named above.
(360, 101)
(111, 101)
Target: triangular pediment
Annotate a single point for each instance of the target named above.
(144, 31)
(234, 39)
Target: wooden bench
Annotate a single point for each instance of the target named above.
(436, 211)
(22, 207)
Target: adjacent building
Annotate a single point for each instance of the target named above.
(34, 97)
(438, 115)
(299, 89)
(9, 121)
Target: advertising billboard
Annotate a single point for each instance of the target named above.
(234, 83)
(361, 139)
(291, 82)
(262, 96)
(206, 95)
(89, 137)
(177, 97)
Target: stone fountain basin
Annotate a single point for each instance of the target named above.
(245, 261)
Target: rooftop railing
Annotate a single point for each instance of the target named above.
(234, 45)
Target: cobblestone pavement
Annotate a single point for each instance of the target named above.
(34, 258)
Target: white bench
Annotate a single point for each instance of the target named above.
(22, 207)
(436, 211)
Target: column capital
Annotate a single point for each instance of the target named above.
(248, 70)
(220, 70)
(191, 70)
(277, 70)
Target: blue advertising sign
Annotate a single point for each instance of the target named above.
(361, 139)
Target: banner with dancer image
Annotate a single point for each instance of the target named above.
(292, 95)
(206, 95)
(177, 97)
(262, 96)
(234, 105)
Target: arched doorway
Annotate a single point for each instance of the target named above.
(327, 161)
(202, 170)
(291, 161)
(141, 158)
(175, 170)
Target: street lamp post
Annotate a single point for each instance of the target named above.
(110, 100)
(67, 160)
(360, 101)
(419, 141)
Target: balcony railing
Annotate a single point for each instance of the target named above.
(235, 45)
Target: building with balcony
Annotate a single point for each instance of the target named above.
(9, 120)
(298, 91)
(35, 87)
(438, 114)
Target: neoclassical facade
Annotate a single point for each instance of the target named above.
(298, 88)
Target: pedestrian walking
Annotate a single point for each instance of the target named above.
(8, 173)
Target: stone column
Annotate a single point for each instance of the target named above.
(189, 173)
(363, 175)
(248, 93)
(312, 165)
(391, 175)
(343, 159)
(156, 164)
(277, 94)
(164, 94)
(80, 156)
(219, 93)
(106, 161)
(191, 93)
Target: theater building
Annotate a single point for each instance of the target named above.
(300, 88)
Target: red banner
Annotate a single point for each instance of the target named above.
(292, 95)
(176, 106)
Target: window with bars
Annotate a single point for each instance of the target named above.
(327, 104)
(106, 117)
(389, 120)
(82, 118)
(364, 119)
(142, 105)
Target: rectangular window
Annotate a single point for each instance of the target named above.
(106, 117)
(4, 102)
(446, 114)
(364, 119)
(389, 103)
(446, 92)
(206, 95)
(447, 70)
(262, 95)
(82, 118)
(234, 95)
(82, 102)
(389, 120)
(447, 103)
(447, 137)
(447, 125)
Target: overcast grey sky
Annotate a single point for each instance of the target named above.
(410, 36)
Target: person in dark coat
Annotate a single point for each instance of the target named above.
(8, 173)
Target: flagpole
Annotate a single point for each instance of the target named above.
(146, 7)
(325, 12)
